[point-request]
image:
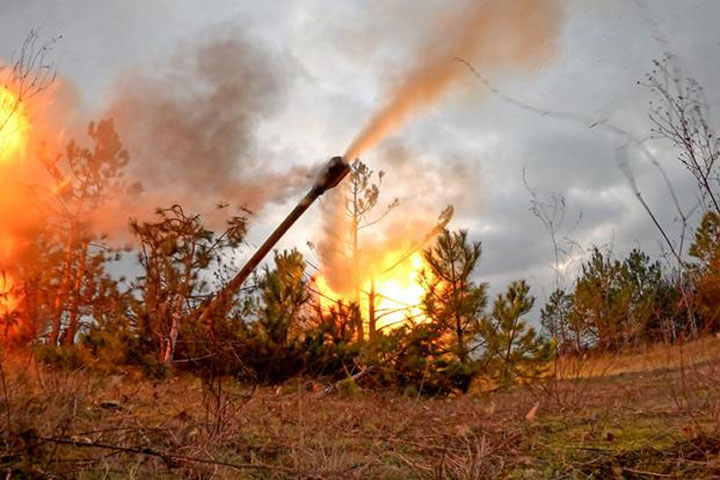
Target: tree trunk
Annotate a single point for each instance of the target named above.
(578, 343)
(62, 290)
(171, 340)
(356, 270)
(74, 316)
(508, 351)
(372, 321)
(456, 294)
(30, 299)
(461, 340)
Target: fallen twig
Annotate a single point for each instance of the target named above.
(335, 386)
(168, 458)
(648, 474)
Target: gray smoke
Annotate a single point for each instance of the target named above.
(190, 126)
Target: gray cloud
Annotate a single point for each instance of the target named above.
(347, 53)
(190, 123)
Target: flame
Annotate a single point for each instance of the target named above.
(398, 291)
(7, 246)
(14, 125)
(8, 299)
(15, 131)
(14, 128)
(9, 303)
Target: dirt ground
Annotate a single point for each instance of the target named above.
(651, 423)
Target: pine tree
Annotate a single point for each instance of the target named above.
(706, 248)
(645, 291)
(175, 252)
(84, 177)
(283, 293)
(600, 300)
(556, 320)
(453, 303)
(363, 198)
(514, 350)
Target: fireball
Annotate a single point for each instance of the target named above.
(14, 124)
(14, 130)
(398, 292)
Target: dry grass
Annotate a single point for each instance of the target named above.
(652, 358)
(660, 424)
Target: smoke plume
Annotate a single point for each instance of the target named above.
(410, 177)
(494, 34)
(191, 126)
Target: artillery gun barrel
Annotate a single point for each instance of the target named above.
(336, 169)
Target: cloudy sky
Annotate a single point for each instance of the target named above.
(314, 71)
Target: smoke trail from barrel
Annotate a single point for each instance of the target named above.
(495, 34)
(498, 36)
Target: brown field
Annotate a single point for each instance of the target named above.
(652, 418)
(653, 357)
